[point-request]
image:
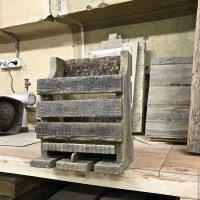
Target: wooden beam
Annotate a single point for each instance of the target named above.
(80, 108)
(80, 148)
(80, 131)
(84, 84)
(194, 119)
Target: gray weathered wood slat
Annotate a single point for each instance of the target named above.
(92, 66)
(80, 108)
(79, 148)
(167, 122)
(169, 95)
(84, 84)
(80, 165)
(80, 131)
(44, 162)
(172, 75)
(172, 60)
(110, 167)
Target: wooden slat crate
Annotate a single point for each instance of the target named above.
(86, 115)
(169, 98)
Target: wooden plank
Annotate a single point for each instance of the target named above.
(172, 75)
(80, 131)
(80, 148)
(80, 108)
(44, 162)
(92, 66)
(110, 167)
(194, 119)
(125, 149)
(172, 60)
(167, 121)
(138, 93)
(14, 186)
(79, 165)
(88, 84)
(169, 95)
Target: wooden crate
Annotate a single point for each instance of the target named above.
(169, 98)
(86, 115)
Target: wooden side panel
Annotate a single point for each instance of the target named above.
(92, 66)
(167, 122)
(169, 95)
(138, 93)
(88, 84)
(80, 131)
(79, 148)
(125, 149)
(80, 108)
(172, 75)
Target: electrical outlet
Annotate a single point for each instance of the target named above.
(10, 63)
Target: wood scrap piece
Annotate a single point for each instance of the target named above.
(80, 108)
(92, 66)
(80, 148)
(79, 165)
(13, 186)
(84, 84)
(167, 122)
(193, 144)
(169, 95)
(80, 131)
(110, 167)
(138, 119)
(44, 162)
(171, 75)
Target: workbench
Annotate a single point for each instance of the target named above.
(161, 168)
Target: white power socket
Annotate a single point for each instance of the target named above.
(10, 63)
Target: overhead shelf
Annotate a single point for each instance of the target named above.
(135, 11)
(110, 15)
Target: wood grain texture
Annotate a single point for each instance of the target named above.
(125, 149)
(88, 84)
(171, 75)
(169, 95)
(80, 131)
(138, 92)
(92, 66)
(56, 67)
(172, 60)
(44, 162)
(167, 122)
(80, 148)
(194, 120)
(80, 165)
(80, 108)
(108, 167)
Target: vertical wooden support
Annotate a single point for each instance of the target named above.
(194, 120)
(125, 149)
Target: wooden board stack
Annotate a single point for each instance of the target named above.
(86, 115)
(169, 98)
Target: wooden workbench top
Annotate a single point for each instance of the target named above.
(157, 168)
